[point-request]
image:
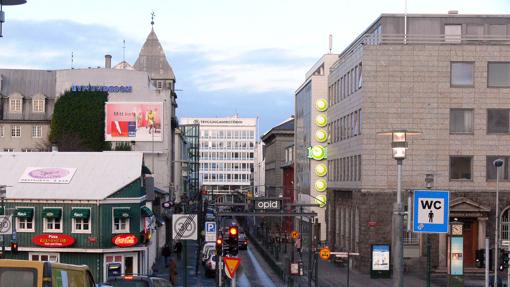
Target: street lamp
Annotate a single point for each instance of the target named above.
(498, 163)
(398, 146)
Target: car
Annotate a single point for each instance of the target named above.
(43, 273)
(243, 241)
(205, 256)
(138, 281)
(210, 266)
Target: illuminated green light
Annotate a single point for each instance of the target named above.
(321, 185)
(321, 170)
(321, 105)
(317, 152)
(321, 120)
(321, 200)
(321, 135)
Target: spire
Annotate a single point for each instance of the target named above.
(152, 19)
(152, 59)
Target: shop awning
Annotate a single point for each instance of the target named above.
(147, 212)
(83, 213)
(52, 212)
(121, 213)
(24, 212)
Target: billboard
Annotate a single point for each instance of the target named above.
(134, 121)
(47, 175)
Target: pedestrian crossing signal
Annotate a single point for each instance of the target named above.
(14, 247)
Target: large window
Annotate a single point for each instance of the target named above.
(81, 220)
(461, 74)
(461, 121)
(15, 105)
(15, 131)
(38, 105)
(491, 169)
(121, 220)
(498, 74)
(51, 257)
(25, 219)
(37, 131)
(505, 224)
(52, 220)
(497, 120)
(460, 168)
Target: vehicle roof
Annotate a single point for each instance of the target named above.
(39, 264)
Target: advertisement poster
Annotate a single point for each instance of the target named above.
(47, 175)
(381, 257)
(457, 252)
(134, 121)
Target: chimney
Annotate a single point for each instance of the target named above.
(453, 12)
(108, 61)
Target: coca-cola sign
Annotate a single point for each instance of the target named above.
(53, 240)
(125, 240)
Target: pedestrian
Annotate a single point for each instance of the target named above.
(172, 271)
(178, 249)
(166, 252)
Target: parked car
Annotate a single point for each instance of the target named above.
(210, 266)
(47, 274)
(243, 241)
(138, 281)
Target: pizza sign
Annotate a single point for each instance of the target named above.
(53, 240)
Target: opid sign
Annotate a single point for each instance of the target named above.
(268, 204)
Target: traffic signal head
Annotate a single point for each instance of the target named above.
(232, 232)
(14, 247)
(219, 246)
(233, 240)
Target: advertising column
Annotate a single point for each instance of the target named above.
(456, 278)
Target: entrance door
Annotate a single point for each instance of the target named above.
(128, 264)
(470, 230)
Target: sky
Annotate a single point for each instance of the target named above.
(229, 56)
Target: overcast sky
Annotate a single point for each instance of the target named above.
(229, 56)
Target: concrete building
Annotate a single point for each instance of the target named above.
(447, 76)
(227, 154)
(314, 88)
(259, 180)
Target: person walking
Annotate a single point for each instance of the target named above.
(166, 252)
(172, 268)
(178, 249)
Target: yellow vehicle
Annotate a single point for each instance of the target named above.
(24, 273)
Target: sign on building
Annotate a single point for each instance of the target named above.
(210, 231)
(134, 121)
(5, 224)
(431, 211)
(62, 175)
(184, 227)
(267, 204)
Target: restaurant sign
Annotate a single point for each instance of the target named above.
(47, 175)
(53, 240)
(125, 240)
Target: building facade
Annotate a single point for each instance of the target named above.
(447, 77)
(227, 154)
(81, 208)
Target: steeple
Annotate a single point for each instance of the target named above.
(152, 59)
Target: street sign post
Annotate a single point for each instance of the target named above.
(431, 211)
(325, 253)
(184, 227)
(231, 265)
(5, 224)
(210, 231)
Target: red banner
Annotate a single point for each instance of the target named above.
(125, 240)
(53, 240)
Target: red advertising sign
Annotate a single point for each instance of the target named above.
(53, 240)
(125, 240)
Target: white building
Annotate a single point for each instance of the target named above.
(227, 153)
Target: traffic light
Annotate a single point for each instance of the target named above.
(503, 258)
(14, 247)
(219, 246)
(233, 240)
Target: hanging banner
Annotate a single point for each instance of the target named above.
(136, 121)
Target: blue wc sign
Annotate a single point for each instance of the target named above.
(431, 211)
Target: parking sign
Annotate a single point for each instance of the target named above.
(210, 231)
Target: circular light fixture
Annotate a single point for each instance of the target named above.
(321, 105)
(321, 200)
(318, 152)
(321, 135)
(321, 185)
(321, 120)
(321, 170)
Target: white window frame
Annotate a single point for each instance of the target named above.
(18, 226)
(39, 254)
(128, 222)
(15, 105)
(37, 131)
(15, 131)
(38, 105)
(82, 231)
(53, 230)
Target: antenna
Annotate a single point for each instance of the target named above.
(330, 43)
(72, 60)
(152, 18)
(123, 50)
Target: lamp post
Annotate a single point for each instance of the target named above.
(429, 182)
(3, 192)
(399, 146)
(498, 163)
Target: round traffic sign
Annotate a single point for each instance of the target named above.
(5, 225)
(325, 253)
(294, 234)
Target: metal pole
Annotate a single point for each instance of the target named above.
(3, 235)
(185, 263)
(317, 235)
(429, 260)
(310, 263)
(496, 245)
(397, 231)
(487, 262)
(348, 267)
(233, 281)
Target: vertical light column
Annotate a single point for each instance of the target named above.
(318, 153)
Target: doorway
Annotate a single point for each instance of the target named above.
(470, 234)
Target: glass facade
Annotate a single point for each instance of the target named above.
(303, 126)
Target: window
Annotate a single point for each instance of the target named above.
(462, 74)
(36, 131)
(491, 169)
(461, 121)
(497, 121)
(452, 33)
(505, 224)
(1, 131)
(15, 105)
(460, 167)
(80, 220)
(498, 75)
(8, 150)
(51, 257)
(25, 219)
(15, 131)
(121, 220)
(52, 219)
(38, 105)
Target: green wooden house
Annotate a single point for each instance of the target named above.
(79, 208)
